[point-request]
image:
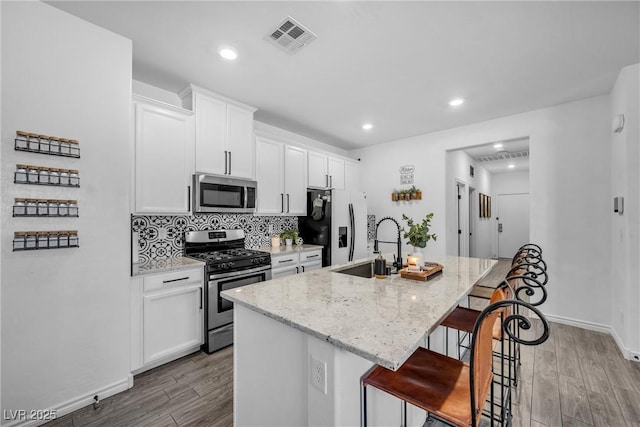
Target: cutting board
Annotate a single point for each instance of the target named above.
(428, 270)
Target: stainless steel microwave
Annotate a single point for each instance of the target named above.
(213, 193)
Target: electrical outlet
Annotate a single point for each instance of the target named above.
(270, 228)
(318, 374)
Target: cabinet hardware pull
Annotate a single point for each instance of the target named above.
(281, 202)
(297, 270)
(200, 298)
(312, 256)
(188, 198)
(326, 178)
(287, 202)
(225, 162)
(175, 280)
(285, 260)
(330, 180)
(229, 162)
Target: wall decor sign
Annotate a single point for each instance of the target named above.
(406, 174)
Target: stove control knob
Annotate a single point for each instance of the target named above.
(231, 264)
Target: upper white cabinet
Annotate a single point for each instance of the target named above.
(352, 176)
(163, 138)
(223, 133)
(280, 173)
(325, 171)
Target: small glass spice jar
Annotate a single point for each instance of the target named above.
(43, 207)
(63, 239)
(73, 238)
(74, 147)
(44, 143)
(21, 173)
(74, 178)
(32, 173)
(33, 141)
(19, 207)
(53, 239)
(43, 239)
(73, 207)
(43, 176)
(63, 208)
(30, 240)
(53, 208)
(31, 206)
(65, 146)
(64, 177)
(54, 145)
(54, 176)
(19, 240)
(21, 139)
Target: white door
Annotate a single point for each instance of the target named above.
(513, 223)
(295, 187)
(240, 142)
(211, 131)
(340, 226)
(359, 202)
(269, 164)
(335, 169)
(317, 170)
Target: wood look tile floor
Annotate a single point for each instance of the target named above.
(576, 378)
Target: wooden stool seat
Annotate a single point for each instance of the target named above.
(481, 292)
(433, 382)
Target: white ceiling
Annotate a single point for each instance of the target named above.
(502, 165)
(395, 64)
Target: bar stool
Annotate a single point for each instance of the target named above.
(447, 388)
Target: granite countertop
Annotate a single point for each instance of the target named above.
(164, 265)
(284, 249)
(381, 320)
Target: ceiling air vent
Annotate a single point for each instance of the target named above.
(504, 155)
(290, 36)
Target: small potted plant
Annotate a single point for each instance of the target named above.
(418, 234)
(289, 236)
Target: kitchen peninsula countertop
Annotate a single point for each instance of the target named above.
(165, 265)
(381, 320)
(284, 249)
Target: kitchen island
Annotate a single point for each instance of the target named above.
(302, 342)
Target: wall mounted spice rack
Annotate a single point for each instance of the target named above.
(33, 240)
(45, 207)
(39, 175)
(45, 144)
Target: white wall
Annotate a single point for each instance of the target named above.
(625, 228)
(65, 317)
(570, 200)
(458, 163)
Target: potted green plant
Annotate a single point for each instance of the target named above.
(418, 234)
(289, 235)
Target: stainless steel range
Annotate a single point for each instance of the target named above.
(228, 265)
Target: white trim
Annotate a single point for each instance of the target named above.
(626, 353)
(79, 402)
(191, 88)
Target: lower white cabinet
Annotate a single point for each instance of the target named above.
(290, 263)
(167, 317)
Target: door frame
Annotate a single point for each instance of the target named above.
(462, 203)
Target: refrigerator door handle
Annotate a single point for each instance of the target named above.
(353, 232)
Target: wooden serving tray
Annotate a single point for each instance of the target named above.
(427, 270)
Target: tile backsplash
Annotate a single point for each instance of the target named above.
(162, 237)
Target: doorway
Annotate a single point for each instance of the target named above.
(513, 223)
(472, 216)
(462, 212)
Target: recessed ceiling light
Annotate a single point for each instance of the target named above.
(497, 146)
(228, 53)
(456, 102)
(511, 166)
(367, 126)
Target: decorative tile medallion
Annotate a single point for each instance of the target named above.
(371, 227)
(162, 237)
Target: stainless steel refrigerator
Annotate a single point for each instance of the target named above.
(336, 220)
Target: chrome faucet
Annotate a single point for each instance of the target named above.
(397, 262)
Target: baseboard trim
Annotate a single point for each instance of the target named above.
(626, 353)
(78, 402)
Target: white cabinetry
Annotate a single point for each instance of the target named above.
(280, 173)
(325, 171)
(223, 133)
(166, 317)
(290, 263)
(352, 176)
(163, 138)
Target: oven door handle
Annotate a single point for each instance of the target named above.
(239, 273)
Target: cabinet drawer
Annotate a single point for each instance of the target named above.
(173, 279)
(312, 265)
(283, 272)
(286, 260)
(311, 256)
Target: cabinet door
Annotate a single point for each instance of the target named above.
(269, 167)
(164, 155)
(318, 174)
(211, 131)
(172, 322)
(309, 266)
(295, 187)
(352, 176)
(240, 144)
(284, 272)
(336, 173)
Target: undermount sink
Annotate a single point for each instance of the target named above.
(360, 270)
